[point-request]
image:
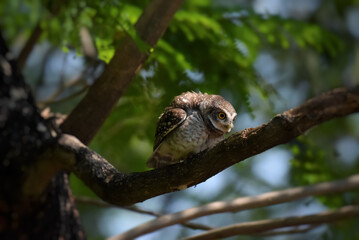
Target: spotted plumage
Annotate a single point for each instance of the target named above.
(192, 123)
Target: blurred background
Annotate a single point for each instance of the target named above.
(264, 56)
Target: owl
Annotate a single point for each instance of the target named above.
(192, 123)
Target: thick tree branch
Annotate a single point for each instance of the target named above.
(126, 189)
(269, 224)
(102, 96)
(67, 152)
(243, 203)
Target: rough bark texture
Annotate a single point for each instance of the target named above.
(50, 214)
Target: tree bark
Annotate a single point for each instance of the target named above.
(51, 214)
(35, 198)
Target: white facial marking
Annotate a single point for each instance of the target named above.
(233, 116)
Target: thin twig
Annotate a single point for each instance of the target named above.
(294, 230)
(240, 204)
(64, 99)
(88, 47)
(100, 203)
(269, 224)
(29, 45)
(34, 37)
(62, 87)
(71, 83)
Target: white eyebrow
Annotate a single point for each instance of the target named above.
(230, 115)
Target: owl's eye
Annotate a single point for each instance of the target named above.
(221, 115)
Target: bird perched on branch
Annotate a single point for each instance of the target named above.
(192, 123)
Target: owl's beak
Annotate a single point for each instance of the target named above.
(229, 127)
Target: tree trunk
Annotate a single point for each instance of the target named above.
(35, 198)
(25, 214)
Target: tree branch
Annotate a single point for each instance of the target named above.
(269, 224)
(67, 152)
(29, 45)
(100, 203)
(126, 189)
(243, 203)
(34, 37)
(79, 80)
(294, 230)
(102, 96)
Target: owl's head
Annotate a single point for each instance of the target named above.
(218, 113)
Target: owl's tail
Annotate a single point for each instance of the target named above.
(158, 159)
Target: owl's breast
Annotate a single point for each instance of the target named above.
(191, 136)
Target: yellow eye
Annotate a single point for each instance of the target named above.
(221, 115)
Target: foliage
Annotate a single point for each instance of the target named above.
(211, 47)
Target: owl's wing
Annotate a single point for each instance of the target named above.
(169, 120)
